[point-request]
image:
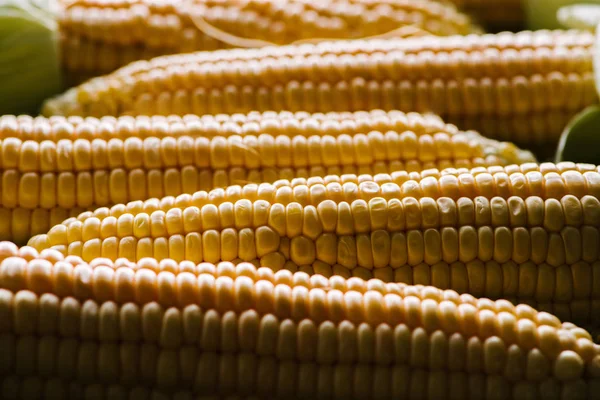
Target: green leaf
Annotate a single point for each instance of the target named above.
(580, 141)
(29, 56)
(579, 16)
(542, 14)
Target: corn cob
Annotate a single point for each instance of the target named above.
(532, 236)
(520, 87)
(495, 15)
(97, 37)
(64, 42)
(55, 168)
(242, 331)
(33, 388)
(16, 388)
(287, 123)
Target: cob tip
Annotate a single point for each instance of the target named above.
(29, 54)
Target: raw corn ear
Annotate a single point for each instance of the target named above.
(55, 168)
(229, 330)
(521, 87)
(99, 37)
(64, 42)
(528, 233)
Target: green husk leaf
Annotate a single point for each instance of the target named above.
(29, 58)
(543, 14)
(580, 141)
(579, 16)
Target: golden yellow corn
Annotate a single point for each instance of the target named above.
(521, 87)
(530, 234)
(98, 37)
(238, 330)
(51, 169)
(286, 123)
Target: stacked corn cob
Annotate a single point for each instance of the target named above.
(169, 330)
(98, 37)
(58, 167)
(313, 251)
(528, 234)
(64, 42)
(521, 87)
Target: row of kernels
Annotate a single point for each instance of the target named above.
(343, 345)
(305, 380)
(526, 67)
(241, 292)
(411, 253)
(235, 151)
(18, 275)
(13, 387)
(520, 284)
(537, 286)
(543, 41)
(359, 216)
(378, 249)
(144, 285)
(20, 224)
(381, 249)
(27, 313)
(122, 282)
(266, 334)
(441, 97)
(90, 59)
(103, 187)
(211, 246)
(375, 251)
(209, 331)
(316, 302)
(450, 183)
(123, 25)
(394, 63)
(465, 278)
(283, 123)
(541, 283)
(25, 188)
(71, 275)
(137, 23)
(427, 183)
(270, 121)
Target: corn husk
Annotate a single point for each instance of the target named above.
(29, 59)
